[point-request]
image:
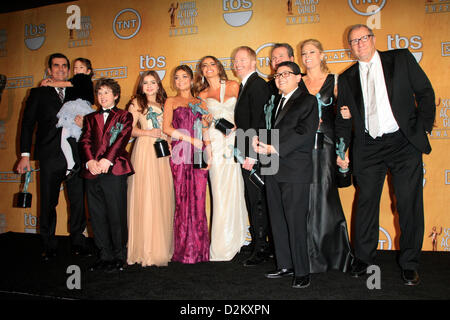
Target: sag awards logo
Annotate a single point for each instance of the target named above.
(442, 121)
(3, 38)
(149, 62)
(365, 7)
(305, 12)
(237, 13)
(113, 73)
(81, 37)
(437, 6)
(34, 36)
(385, 240)
(182, 18)
(445, 240)
(413, 43)
(126, 24)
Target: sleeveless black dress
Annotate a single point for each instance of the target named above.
(328, 242)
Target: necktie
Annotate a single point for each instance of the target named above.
(61, 94)
(280, 107)
(240, 88)
(372, 114)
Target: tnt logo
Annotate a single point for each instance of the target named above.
(240, 14)
(126, 24)
(361, 7)
(398, 42)
(34, 36)
(263, 55)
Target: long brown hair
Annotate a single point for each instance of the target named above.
(200, 83)
(141, 97)
(186, 69)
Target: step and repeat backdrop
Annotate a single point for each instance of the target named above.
(125, 37)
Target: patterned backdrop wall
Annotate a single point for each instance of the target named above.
(125, 37)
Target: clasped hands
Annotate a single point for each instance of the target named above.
(97, 167)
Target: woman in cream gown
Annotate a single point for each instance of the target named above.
(229, 216)
(151, 201)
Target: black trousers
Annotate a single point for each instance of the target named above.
(391, 152)
(51, 176)
(107, 203)
(255, 200)
(288, 209)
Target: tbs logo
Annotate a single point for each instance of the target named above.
(237, 18)
(34, 36)
(147, 62)
(398, 42)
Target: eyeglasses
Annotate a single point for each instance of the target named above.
(284, 74)
(363, 39)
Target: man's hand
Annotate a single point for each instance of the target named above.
(93, 167)
(104, 165)
(23, 165)
(248, 164)
(261, 147)
(343, 163)
(79, 121)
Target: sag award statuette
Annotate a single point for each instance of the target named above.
(199, 161)
(221, 124)
(318, 142)
(161, 145)
(343, 177)
(24, 197)
(254, 176)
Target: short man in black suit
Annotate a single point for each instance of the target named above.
(287, 186)
(392, 106)
(41, 108)
(248, 114)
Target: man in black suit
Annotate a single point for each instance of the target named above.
(41, 108)
(280, 52)
(249, 112)
(392, 106)
(288, 183)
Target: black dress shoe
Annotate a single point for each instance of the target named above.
(256, 258)
(301, 282)
(82, 251)
(280, 273)
(100, 265)
(358, 268)
(410, 277)
(48, 254)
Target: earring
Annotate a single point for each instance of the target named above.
(203, 79)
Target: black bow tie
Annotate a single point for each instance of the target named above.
(105, 110)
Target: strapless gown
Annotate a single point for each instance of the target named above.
(191, 235)
(229, 212)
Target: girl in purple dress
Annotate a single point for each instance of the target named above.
(191, 235)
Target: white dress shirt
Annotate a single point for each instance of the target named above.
(387, 122)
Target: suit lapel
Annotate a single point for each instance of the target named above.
(388, 71)
(357, 90)
(287, 106)
(244, 88)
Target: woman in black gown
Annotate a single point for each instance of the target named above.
(328, 242)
